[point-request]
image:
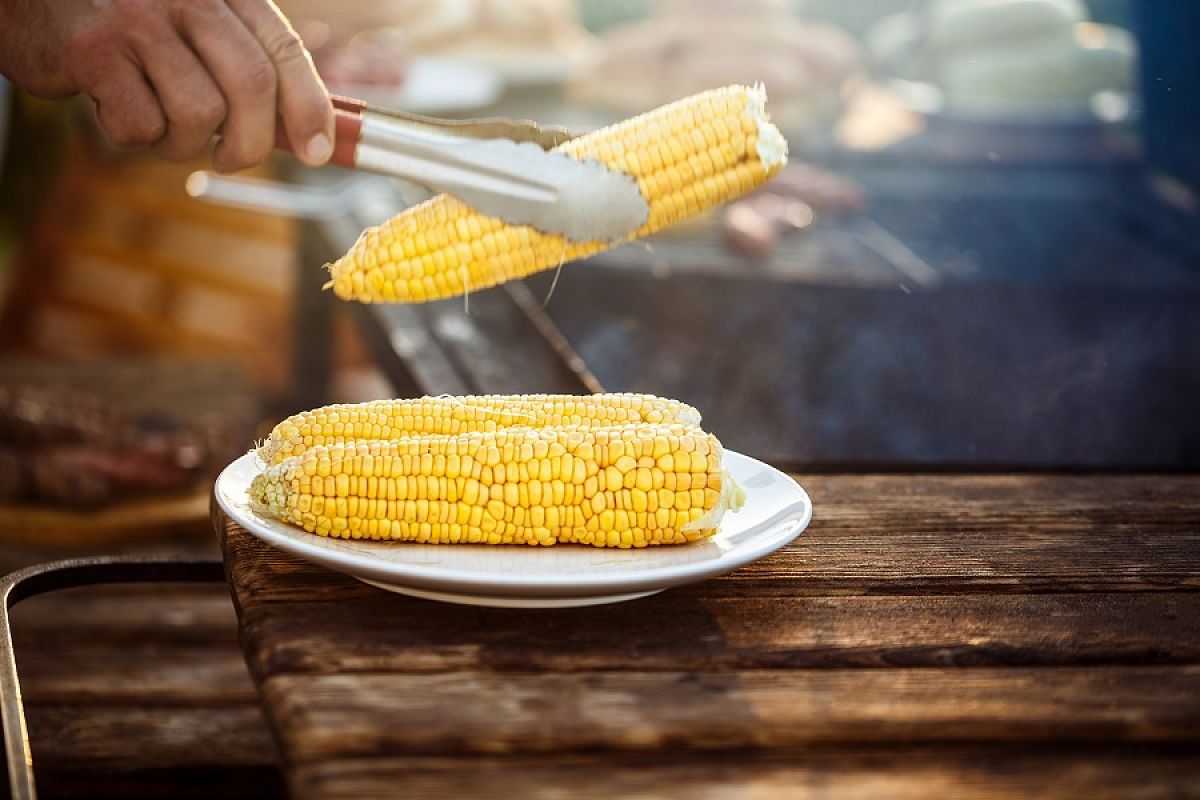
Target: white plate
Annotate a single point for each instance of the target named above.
(1103, 107)
(777, 510)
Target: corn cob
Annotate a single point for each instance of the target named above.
(626, 486)
(687, 157)
(391, 419)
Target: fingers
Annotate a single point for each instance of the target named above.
(192, 103)
(246, 77)
(303, 102)
(174, 72)
(126, 106)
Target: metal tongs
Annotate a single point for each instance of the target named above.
(500, 167)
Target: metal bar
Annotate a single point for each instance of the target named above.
(880, 240)
(317, 203)
(536, 314)
(519, 130)
(517, 182)
(405, 352)
(434, 158)
(495, 343)
(50, 577)
(492, 342)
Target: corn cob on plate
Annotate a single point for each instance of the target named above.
(390, 419)
(776, 511)
(613, 484)
(623, 486)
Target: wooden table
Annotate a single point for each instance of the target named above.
(991, 636)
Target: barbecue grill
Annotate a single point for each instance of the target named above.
(1012, 294)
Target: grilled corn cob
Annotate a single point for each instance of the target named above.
(391, 419)
(686, 157)
(625, 486)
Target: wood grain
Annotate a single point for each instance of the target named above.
(682, 631)
(142, 675)
(992, 636)
(141, 645)
(902, 534)
(174, 614)
(141, 691)
(897, 534)
(123, 752)
(124, 740)
(338, 716)
(991, 773)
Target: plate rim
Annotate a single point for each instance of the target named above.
(360, 564)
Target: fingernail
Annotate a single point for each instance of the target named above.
(319, 148)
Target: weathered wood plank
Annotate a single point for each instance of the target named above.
(168, 614)
(255, 781)
(121, 738)
(152, 752)
(341, 716)
(680, 631)
(993, 773)
(921, 535)
(141, 691)
(138, 644)
(929, 534)
(139, 676)
(1073, 600)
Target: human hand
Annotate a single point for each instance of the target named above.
(171, 74)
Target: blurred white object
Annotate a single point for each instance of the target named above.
(705, 8)
(1017, 59)
(321, 203)
(967, 23)
(684, 50)
(527, 41)
(432, 86)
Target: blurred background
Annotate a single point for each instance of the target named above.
(984, 254)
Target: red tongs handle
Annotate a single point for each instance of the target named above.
(348, 103)
(347, 127)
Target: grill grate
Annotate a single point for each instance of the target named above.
(1039, 317)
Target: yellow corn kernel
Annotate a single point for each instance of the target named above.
(511, 510)
(389, 419)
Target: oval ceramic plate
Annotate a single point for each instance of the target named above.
(777, 510)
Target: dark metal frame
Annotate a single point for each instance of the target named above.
(67, 574)
(506, 343)
(495, 342)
